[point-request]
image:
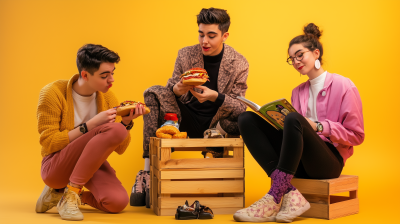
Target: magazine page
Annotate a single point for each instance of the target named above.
(249, 103)
(276, 111)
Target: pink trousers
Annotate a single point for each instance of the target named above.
(84, 162)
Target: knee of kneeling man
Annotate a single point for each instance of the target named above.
(118, 204)
(118, 131)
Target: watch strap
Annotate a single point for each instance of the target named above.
(129, 126)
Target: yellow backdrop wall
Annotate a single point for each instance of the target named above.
(39, 41)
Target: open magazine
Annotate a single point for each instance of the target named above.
(273, 112)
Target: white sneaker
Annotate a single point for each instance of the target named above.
(48, 199)
(263, 210)
(68, 206)
(294, 204)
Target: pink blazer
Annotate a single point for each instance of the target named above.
(339, 110)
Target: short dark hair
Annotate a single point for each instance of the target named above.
(310, 39)
(215, 16)
(90, 56)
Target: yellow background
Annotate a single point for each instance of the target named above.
(39, 41)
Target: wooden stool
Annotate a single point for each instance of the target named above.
(216, 182)
(324, 204)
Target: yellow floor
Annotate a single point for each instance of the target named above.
(20, 208)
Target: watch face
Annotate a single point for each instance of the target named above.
(319, 127)
(82, 129)
(129, 127)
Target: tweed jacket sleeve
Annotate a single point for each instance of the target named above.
(232, 107)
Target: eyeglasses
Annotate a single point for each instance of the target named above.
(299, 56)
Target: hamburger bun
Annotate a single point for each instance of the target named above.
(195, 77)
(125, 108)
(194, 82)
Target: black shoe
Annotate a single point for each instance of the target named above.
(188, 212)
(195, 211)
(205, 213)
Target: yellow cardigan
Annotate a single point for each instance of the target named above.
(55, 115)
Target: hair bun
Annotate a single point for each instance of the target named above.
(312, 30)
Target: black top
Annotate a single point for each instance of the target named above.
(208, 108)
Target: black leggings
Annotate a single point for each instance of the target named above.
(295, 150)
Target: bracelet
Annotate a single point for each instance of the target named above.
(129, 126)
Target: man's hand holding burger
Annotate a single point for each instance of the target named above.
(180, 88)
(133, 114)
(189, 79)
(208, 94)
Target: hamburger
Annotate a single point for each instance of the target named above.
(125, 107)
(195, 77)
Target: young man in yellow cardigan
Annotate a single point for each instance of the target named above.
(78, 130)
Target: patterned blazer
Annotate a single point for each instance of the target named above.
(232, 78)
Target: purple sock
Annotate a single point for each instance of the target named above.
(281, 185)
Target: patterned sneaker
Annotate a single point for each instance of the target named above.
(138, 194)
(68, 206)
(263, 210)
(146, 180)
(294, 204)
(48, 199)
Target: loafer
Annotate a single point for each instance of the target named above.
(188, 212)
(205, 213)
(195, 211)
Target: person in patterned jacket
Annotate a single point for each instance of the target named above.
(199, 108)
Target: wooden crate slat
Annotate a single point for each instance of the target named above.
(344, 208)
(165, 154)
(194, 187)
(212, 202)
(202, 163)
(308, 186)
(317, 211)
(154, 192)
(155, 162)
(343, 184)
(200, 174)
(238, 152)
(202, 142)
(316, 198)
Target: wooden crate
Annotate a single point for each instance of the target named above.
(216, 182)
(326, 205)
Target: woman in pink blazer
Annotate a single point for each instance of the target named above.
(315, 142)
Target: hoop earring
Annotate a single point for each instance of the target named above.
(317, 64)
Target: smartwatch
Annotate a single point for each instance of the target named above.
(320, 127)
(83, 128)
(129, 126)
